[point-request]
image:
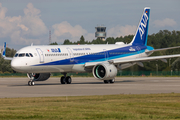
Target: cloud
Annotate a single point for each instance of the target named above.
(165, 22)
(22, 29)
(3, 11)
(30, 28)
(65, 30)
(65, 27)
(118, 31)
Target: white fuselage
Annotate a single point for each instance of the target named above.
(71, 58)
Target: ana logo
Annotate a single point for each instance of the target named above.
(143, 24)
(131, 49)
(55, 50)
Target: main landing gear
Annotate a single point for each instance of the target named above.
(65, 79)
(109, 81)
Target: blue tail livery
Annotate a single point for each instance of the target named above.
(141, 35)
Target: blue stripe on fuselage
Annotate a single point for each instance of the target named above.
(101, 56)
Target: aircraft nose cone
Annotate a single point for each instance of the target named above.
(16, 65)
(13, 64)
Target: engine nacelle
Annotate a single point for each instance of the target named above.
(39, 76)
(104, 71)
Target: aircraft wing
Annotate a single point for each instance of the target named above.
(4, 53)
(142, 59)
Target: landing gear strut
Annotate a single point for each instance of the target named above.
(65, 79)
(109, 81)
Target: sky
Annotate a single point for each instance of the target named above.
(23, 22)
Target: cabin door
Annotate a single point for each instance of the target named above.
(41, 56)
(71, 56)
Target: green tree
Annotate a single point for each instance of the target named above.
(54, 43)
(67, 42)
(82, 40)
(5, 65)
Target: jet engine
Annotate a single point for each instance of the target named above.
(39, 76)
(104, 71)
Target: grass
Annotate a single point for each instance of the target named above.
(113, 107)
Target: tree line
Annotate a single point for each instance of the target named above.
(162, 39)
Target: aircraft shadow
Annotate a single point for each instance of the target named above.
(44, 84)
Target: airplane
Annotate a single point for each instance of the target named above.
(103, 60)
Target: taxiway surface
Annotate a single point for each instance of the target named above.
(18, 87)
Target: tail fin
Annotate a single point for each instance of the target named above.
(141, 35)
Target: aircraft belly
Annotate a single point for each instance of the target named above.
(45, 69)
(60, 68)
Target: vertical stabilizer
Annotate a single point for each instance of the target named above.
(141, 35)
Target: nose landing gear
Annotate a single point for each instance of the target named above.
(31, 82)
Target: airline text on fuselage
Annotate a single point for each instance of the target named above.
(55, 50)
(77, 49)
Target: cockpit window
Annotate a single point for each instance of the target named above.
(30, 54)
(27, 55)
(21, 54)
(16, 55)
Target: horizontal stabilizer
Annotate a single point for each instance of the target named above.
(163, 49)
